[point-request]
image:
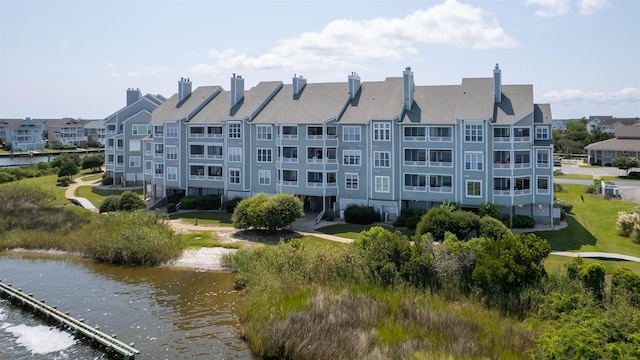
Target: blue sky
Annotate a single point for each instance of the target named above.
(77, 58)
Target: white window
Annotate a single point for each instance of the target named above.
(473, 133)
(382, 131)
(172, 173)
(158, 131)
(473, 161)
(351, 181)
(542, 157)
(171, 130)
(542, 133)
(264, 177)
(263, 132)
(148, 167)
(474, 188)
(235, 154)
(134, 161)
(171, 152)
(264, 155)
(351, 133)
(134, 145)
(214, 132)
(382, 159)
(196, 131)
(542, 186)
(382, 184)
(140, 129)
(158, 169)
(234, 176)
(159, 149)
(351, 157)
(235, 131)
(289, 132)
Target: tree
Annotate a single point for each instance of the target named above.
(440, 219)
(625, 163)
(94, 162)
(267, 213)
(130, 201)
(68, 168)
(510, 262)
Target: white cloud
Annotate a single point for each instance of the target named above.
(64, 44)
(588, 7)
(346, 43)
(155, 70)
(550, 8)
(577, 97)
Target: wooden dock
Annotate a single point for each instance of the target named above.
(96, 337)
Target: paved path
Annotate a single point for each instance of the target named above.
(597, 255)
(80, 201)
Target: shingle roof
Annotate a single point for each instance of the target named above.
(433, 105)
(218, 110)
(616, 144)
(16, 124)
(316, 104)
(542, 114)
(516, 103)
(623, 121)
(172, 110)
(628, 132)
(381, 100)
(475, 99)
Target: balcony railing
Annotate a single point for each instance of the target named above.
(522, 138)
(215, 157)
(441, 189)
(288, 159)
(414, 138)
(196, 177)
(440, 138)
(196, 156)
(215, 178)
(314, 184)
(415, 163)
(415, 188)
(288, 183)
(440, 163)
(501, 139)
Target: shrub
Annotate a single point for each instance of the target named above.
(450, 205)
(359, 214)
(203, 202)
(635, 235)
(439, 220)
(108, 180)
(110, 204)
(231, 204)
(557, 187)
(492, 228)
(592, 275)
(490, 209)
(93, 162)
(267, 213)
(591, 189)
(626, 283)
(626, 223)
(635, 175)
(565, 205)
(130, 201)
(523, 222)
(406, 214)
(64, 181)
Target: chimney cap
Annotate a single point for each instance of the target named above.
(497, 66)
(408, 68)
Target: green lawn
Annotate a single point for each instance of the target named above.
(574, 176)
(351, 231)
(49, 182)
(217, 218)
(591, 224)
(93, 177)
(556, 263)
(203, 239)
(97, 196)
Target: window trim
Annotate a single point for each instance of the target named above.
(546, 191)
(466, 188)
(355, 176)
(381, 189)
(357, 134)
(380, 160)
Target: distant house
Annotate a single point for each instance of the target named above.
(626, 143)
(561, 124)
(609, 125)
(94, 130)
(66, 132)
(22, 134)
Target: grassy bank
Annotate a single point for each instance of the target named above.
(27, 221)
(321, 303)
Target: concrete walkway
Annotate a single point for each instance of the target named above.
(596, 255)
(80, 201)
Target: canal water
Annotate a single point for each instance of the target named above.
(168, 313)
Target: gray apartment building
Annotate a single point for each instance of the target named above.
(124, 131)
(389, 144)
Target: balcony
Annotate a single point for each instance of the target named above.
(441, 189)
(415, 187)
(288, 183)
(440, 138)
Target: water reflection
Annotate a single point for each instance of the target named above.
(168, 313)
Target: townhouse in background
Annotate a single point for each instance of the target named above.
(124, 131)
(389, 144)
(625, 144)
(22, 134)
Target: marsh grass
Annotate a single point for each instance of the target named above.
(202, 239)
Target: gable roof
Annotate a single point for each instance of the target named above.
(475, 99)
(542, 114)
(433, 105)
(219, 109)
(516, 103)
(381, 100)
(174, 110)
(623, 121)
(315, 104)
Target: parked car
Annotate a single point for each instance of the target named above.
(557, 163)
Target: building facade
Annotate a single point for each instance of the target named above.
(388, 144)
(22, 134)
(124, 133)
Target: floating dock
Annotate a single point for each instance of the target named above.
(96, 337)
